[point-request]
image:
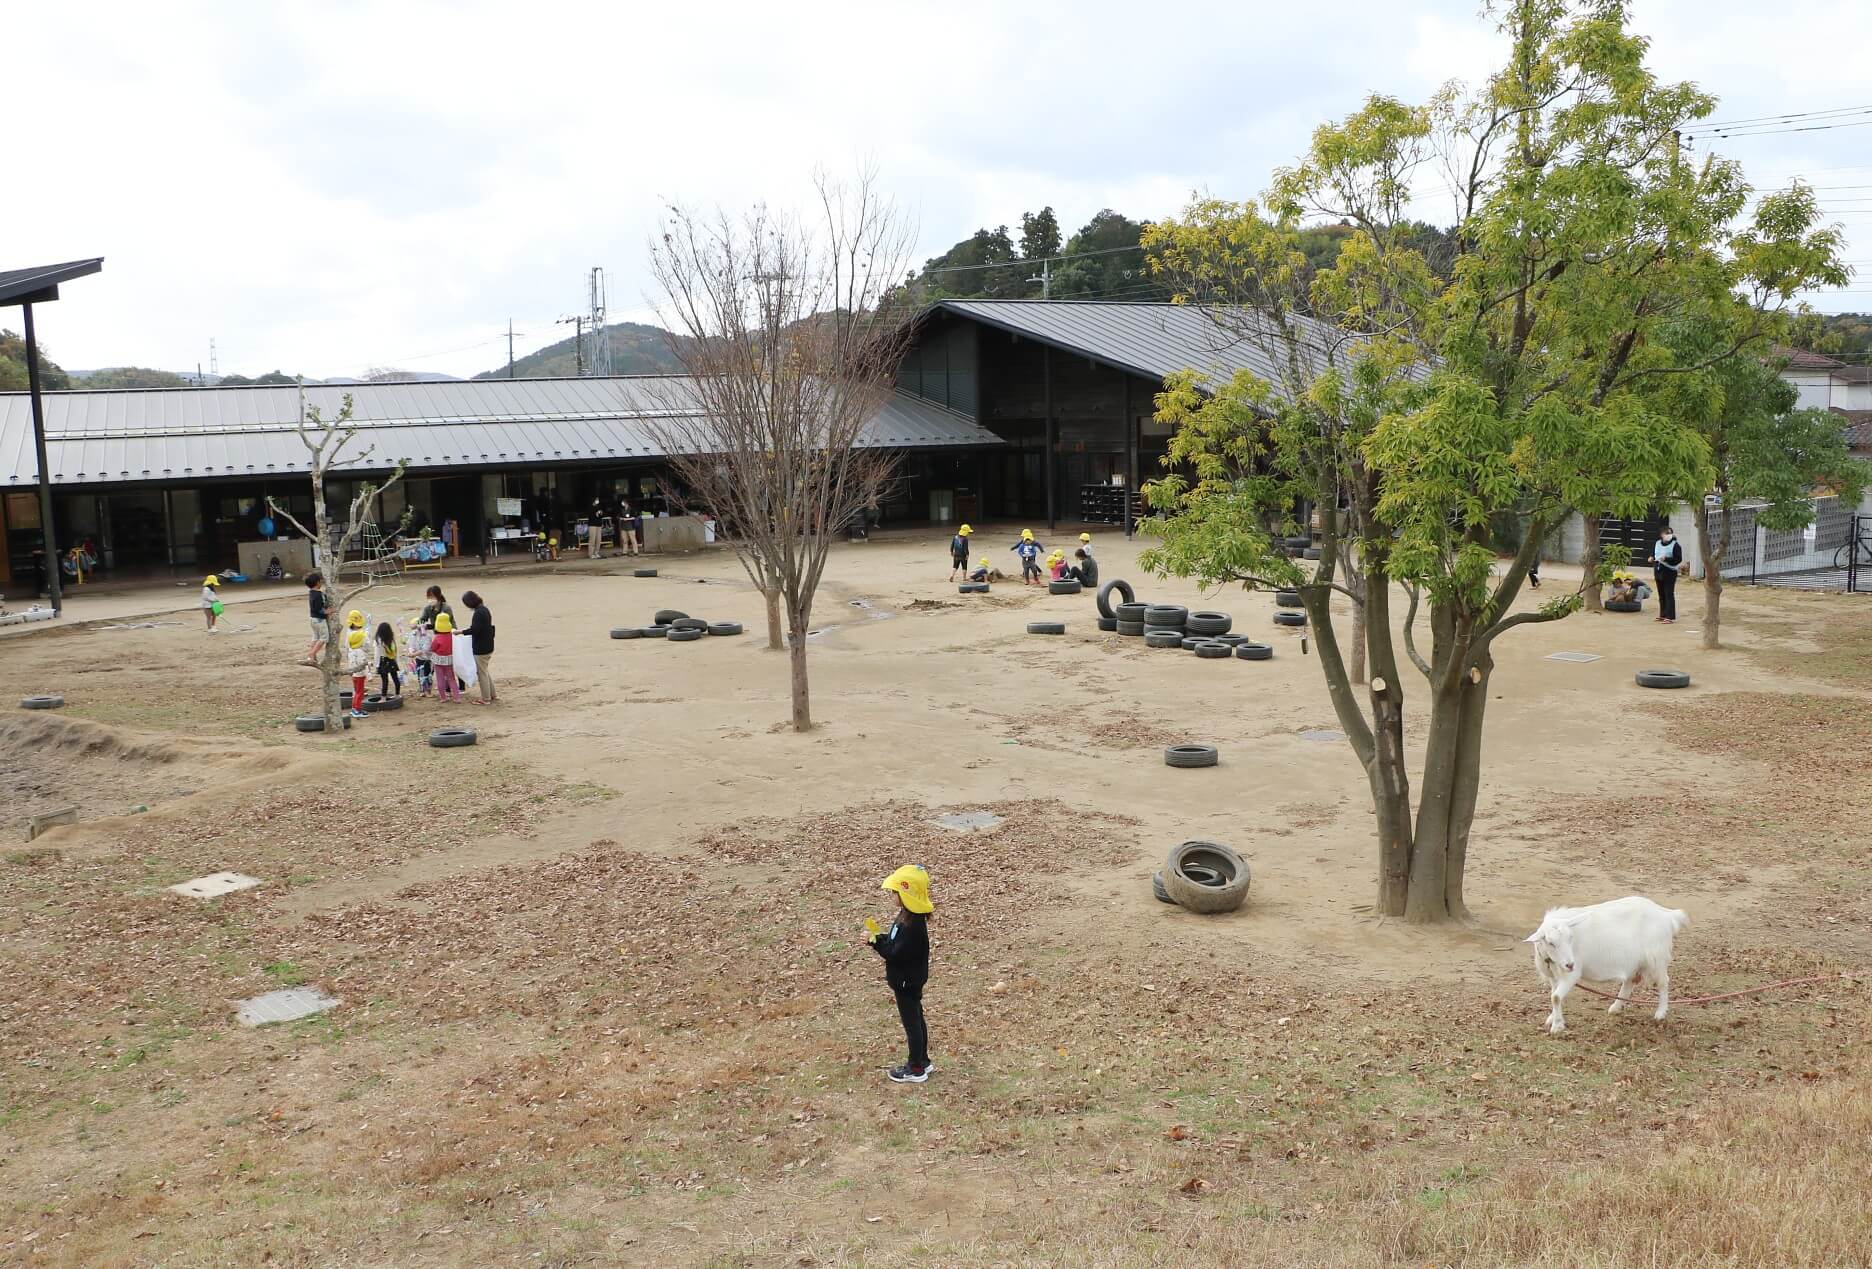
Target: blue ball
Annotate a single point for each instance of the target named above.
(265, 526)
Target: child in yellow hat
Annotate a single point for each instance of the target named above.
(958, 551)
(210, 602)
(358, 661)
(442, 654)
(905, 949)
(1029, 552)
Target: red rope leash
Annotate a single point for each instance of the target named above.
(1704, 1000)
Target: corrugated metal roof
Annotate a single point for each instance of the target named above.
(15, 283)
(190, 433)
(1153, 340)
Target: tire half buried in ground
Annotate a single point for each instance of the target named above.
(41, 702)
(1663, 678)
(451, 737)
(1046, 627)
(627, 632)
(1191, 756)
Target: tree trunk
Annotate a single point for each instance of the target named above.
(1712, 553)
(1357, 669)
(776, 633)
(799, 624)
(1589, 563)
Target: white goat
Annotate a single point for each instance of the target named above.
(1626, 941)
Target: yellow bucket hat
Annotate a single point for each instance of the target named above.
(1085, 537)
(1026, 535)
(965, 530)
(211, 580)
(443, 624)
(354, 619)
(912, 883)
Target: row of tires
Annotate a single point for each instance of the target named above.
(677, 627)
(441, 738)
(1201, 876)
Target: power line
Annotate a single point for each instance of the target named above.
(1797, 114)
(1029, 263)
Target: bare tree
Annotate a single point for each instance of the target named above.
(327, 442)
(791, 349)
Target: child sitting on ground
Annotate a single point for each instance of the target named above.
(982, 573)
(1086, 570)
(388, 675)
(1056, 565)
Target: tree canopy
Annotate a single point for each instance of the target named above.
(13, 366)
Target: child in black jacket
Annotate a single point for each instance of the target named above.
(905, 949)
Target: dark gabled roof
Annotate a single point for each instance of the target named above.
(1151, 339)
(1858, 429)
(20, 285)
(1801, 359)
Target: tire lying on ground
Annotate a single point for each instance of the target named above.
(1046, 627)
(1284, 618)
(1663, 678)
(1120, 585)
(1311, 553)
(41, 702)
(451, 737)
(1297, 543)
(1131, 629)
(643, 572)
(1190, 641)
(1624, 605)
(627, 632)
(1157, 888)
(668, 617)
(316, 722)
(1190, 756)
(375, 703)
(1188, 874)
(1108, 623)
(1211, 651)
(1209, 623)
(1287, 599)
(655, 632)
(1132, 612)
(973, 588)
(1254, 651)
(1063, 586)
(724, 629)
(1163, 638)
(1230, 639)
(1164, 616)
(684, 636)
(689, 623)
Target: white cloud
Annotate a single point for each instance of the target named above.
(333, 186)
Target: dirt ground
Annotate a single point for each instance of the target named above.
(603, 1000)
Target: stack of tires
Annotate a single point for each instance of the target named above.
(677, 627)
(1204, 877)
(1164, 625)
(1108, 615)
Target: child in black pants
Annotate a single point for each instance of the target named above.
(388, 674)
(905, 949)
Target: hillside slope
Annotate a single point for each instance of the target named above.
(636, 349)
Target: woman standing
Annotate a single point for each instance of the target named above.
(1666, 560)
(436, 606)
(481, 638)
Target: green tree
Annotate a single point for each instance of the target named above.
(273, 377)
(1040, 234)
(13, 366)
(132, 377)
(1409, 412)
(1108, 267)
(984, 265)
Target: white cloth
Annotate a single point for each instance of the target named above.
(464, 660)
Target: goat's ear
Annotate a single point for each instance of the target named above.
(1532, 938)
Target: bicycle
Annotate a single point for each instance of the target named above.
(1843, 558)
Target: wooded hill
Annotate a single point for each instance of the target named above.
(636, 349)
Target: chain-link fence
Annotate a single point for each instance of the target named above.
(1820, 556)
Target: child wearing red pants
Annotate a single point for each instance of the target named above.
(442, 656)
(357, 660)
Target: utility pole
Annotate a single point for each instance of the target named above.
(214, 361)
(601, 342)
(1046, 278)
(510, 339)
(578, 339)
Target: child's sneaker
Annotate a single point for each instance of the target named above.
(907, 1074)
(358, 713)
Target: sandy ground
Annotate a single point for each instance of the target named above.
(665, 768)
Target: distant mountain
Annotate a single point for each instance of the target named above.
(636, 349)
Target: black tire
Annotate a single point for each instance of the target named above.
(1311, 553)
(684, 636)
(1254, 651)
(1191, 756)
(668, 617)
(1209, 623)
(1157, 888)
(627, 632)
(451, 737)
(1164, 616)
(689, 623)
(1163, 638)
(1190, 642)
(1132, 612)
(973, 588)
(724, 629)
(1214, 651)
(1297, 543)
(1284, 618)
(643, 572)
(1287, 599)
(1230, 639)
(1120, 585)
(1187, 874)
(1064, 586)
(1108, 623)
(316, 722)
(1623, 605)
(1663, 678)
(1130, 629)
(1046, 627)
(41, 702)
(655, 632)
(377, 704)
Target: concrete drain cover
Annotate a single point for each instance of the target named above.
(284, 1006)
(1577, 658)
(1322, 735)
(964, 821)
(215, 883)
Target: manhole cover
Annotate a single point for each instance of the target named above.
(1577, 658)
(964, 821)
(1322, 735)
(215, 883)
(284, 1006)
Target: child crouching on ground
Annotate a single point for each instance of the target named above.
(442, 656)
(905, 949)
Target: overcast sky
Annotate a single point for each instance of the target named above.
(327, 187)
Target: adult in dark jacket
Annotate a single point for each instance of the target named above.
(481, 639)
(905, 949)
(1666, 558)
